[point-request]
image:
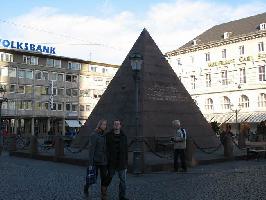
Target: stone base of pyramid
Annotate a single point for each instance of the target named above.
(153, 163)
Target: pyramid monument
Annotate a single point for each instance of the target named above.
(162, 98)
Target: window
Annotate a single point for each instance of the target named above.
(260, 46)
(209, 104)
(262, 100)
(12, 88)
(179, 61)
(54, 91)
(208, 80)
(74, 92)
(224, 77)
(45, 76)
(67, 106)
(68, 92)
(224, 53)
(226, 103)
(93, 69)
(57, 63)
(74, 66)
(21, 89)
(207, 56)
(46, 106)
(104, 70)
(21, 105)
(88, 107)
(11, 105)
(50, 62)
(244, 101)
(60, 91)
(6, 57)
(32, 60)
(74, 107)
(263, 26)
(60, 106)
(241, 50)
(29, 74)
(28, 104)
(81, 108)
(242, 75)
(53, 106)
(262, 73)
(12, 72)
(28, 89)
(38, 106)
(53, 76)
(21, 73)
(74, 79)
(60, 77)
(3, 71)
(68, 78)
(193, 82)
(45, 90)
(38, 75)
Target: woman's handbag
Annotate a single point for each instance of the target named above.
(91, 175)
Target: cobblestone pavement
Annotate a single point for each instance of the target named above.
(40, 180)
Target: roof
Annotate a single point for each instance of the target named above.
(39, 54)
(235, 28)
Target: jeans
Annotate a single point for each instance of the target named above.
(122, 174)
(180, 153)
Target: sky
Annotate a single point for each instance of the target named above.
(105, 30)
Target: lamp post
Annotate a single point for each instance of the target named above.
(236, 110)
(136, 60)
(2, 99)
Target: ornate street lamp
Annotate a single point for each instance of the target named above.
(236, 110)
(136, 61)
(2, 99)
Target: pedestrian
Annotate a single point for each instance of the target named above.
(226, 133)
(179, 140)
(117, 155)
(98, 157)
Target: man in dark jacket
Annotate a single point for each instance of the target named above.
(117, 155)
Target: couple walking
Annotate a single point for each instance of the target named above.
(109, 154)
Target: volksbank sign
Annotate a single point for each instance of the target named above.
(26, 46)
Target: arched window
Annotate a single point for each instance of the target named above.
(244, 101)
(226, 103)
(209, 104)
(262, 100)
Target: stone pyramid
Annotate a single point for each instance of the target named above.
(162, 99)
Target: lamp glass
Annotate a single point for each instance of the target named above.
(136, 61)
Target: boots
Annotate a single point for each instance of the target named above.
(104, 192)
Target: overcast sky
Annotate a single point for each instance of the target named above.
(105, 30)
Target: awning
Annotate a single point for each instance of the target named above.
(257, 117)
(218, 117)
(73, 123)
(82, 122)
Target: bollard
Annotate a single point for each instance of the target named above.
(228, 147)
(59, 146)
(190, 153)
(33, 145)
(137, 162)
(12, 143)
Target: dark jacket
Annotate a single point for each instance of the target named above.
(97, 149)
(114, 162)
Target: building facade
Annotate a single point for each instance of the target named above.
(224, 70)
(47, 92)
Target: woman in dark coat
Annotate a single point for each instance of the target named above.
(98, 157)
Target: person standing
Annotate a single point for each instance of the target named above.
(117, 155)
(98, 157)
(179, 140)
